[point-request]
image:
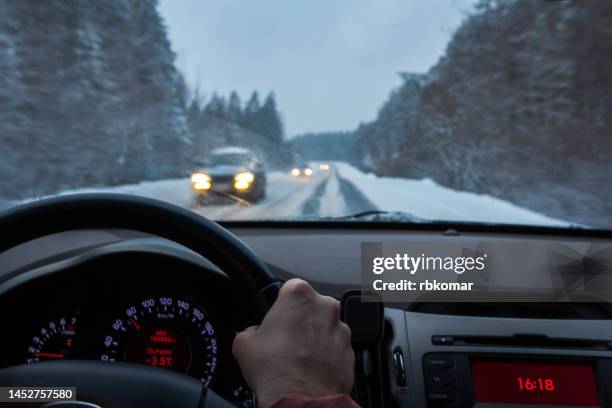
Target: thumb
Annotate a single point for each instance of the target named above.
(242, 341)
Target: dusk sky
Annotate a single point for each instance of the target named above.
(330, 63)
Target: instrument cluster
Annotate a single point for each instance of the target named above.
(149, 309)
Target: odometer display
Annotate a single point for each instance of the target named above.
(164, 332)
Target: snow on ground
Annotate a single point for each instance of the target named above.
(428, 200)
(175, 191)
(287, 196)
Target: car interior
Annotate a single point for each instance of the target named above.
(80, 274)
(305, 203)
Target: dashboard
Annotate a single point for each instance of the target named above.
(144, 301)
(117, 295)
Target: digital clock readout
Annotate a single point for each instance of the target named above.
(534, 383)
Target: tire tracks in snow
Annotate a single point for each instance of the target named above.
(312, 205)
(356, 201)
(336, 196)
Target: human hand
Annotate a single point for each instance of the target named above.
(300, 348)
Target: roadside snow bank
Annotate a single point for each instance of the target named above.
(429, 200)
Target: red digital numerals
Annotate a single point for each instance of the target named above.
(536, 384)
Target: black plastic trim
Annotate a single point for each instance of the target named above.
(436, 226)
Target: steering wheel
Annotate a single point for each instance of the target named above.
(127, 384)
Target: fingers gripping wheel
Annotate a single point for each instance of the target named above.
(251, 277)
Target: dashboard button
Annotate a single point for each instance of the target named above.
(438, 380)
(438, 362)
(440, 397)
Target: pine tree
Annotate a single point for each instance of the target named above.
(269, 123)
(216, 107)
(234, 108)
(249, 115)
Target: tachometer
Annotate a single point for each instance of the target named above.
(54, 341)
(164, 332)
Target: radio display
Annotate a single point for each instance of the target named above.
(537, 383)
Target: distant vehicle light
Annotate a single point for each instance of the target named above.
(202, 185)
(248, 177)
(295, 172)
(200, 178)
(324, 166)
(308, 172)
(242, 185)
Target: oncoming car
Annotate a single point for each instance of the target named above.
(232, 171)
(302, 171)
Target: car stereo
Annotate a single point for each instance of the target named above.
(461, 380)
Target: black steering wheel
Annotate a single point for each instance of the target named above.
(126, 384)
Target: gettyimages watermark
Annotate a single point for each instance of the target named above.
(470, 271)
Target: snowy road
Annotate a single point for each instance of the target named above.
(288, 196)
(346, 190)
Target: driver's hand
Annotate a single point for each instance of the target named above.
(300, 348)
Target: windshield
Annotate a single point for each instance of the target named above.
(496, 111)
(227, 159)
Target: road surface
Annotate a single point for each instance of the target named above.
(325, 194)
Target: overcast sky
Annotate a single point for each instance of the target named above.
(331, 63)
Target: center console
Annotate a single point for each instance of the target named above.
(457, 361)
(477, 380)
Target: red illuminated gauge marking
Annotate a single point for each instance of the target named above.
(48, 355)
(135, 324)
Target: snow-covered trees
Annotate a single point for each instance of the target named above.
(89, 96)
(254, 126)
(519, 107)
(268, 122)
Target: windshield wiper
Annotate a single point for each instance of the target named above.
(409, 218)
(380, 215)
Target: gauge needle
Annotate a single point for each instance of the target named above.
(136, 325)
(49, 355)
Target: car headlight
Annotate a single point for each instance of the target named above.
(308, 172)
(242, 181)
(247, 177)
(295, 172)
(202, 185)
(324, 166)
(242, 185)
(200, 178)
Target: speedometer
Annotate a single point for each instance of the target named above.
(164, 332)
